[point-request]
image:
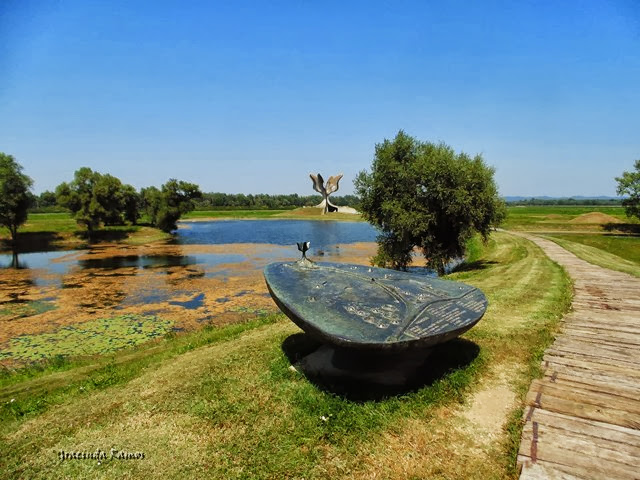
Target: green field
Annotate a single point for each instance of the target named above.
(207, 214)
(558, 218)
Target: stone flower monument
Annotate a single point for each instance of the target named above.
(326, 190)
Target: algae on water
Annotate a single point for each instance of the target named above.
(104, 335)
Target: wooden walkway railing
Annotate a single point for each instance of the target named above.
(582, 419)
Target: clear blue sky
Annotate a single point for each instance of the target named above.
(253, 96)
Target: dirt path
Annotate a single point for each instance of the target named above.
(582, 419)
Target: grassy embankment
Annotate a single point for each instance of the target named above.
(51, 231)
(224, 403)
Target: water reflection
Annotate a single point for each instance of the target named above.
(51, 261)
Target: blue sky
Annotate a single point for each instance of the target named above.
(253, 96)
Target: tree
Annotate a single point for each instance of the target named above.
(78, 196)
(109, 199)
(14, 195)
(629, 187)
(177, 199)
(150, 200)
(46, 199)
(165, 207)
(131, 204)
(96, 198)
(424, 195)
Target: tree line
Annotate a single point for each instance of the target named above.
(97, 199)
(265, 201)
(47, 201)
(94, 199)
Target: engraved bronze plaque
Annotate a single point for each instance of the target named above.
(373, 308)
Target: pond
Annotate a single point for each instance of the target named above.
(321, 234)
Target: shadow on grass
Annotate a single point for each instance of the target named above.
(106, 235)
(364, 376)
(29, 242)
(473, 266)
(629, 228)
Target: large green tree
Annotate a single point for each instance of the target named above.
(629, 187)
(96, 198)
(424, 195)
(165, 206)
(14, 194)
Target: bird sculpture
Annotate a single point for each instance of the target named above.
(304, 261)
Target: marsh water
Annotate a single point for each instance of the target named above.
(114, 295)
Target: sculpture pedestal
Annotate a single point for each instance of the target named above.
(347, 367)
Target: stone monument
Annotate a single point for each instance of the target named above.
(326, 190)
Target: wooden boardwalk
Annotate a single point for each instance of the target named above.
(582, 419)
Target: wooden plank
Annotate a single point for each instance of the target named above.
(607, 336)
(542, 470)
(592, 366)
(587, 427)
(604, 323)
(629, 355)
(583, 466)
(629, 351)
(599, 375)
(583, 410)
(574, 445)
(592, 397)
(596, 356)
(589, 383)
(604, 319)
(606, 448)
(628, 340)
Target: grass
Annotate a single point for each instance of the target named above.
(223, 402)
(229, 214)
(590, 241)
(312, 213)
(557, 218)
(621, 253)
(307, 213)
(50, 231)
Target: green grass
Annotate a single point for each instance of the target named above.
(47, 222)
(207, 214)
(308, 213)
(224, 403)
(621, 253)
(48, 231)
(41, 385)
(551, 218)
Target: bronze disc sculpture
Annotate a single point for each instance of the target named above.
(370, 308)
